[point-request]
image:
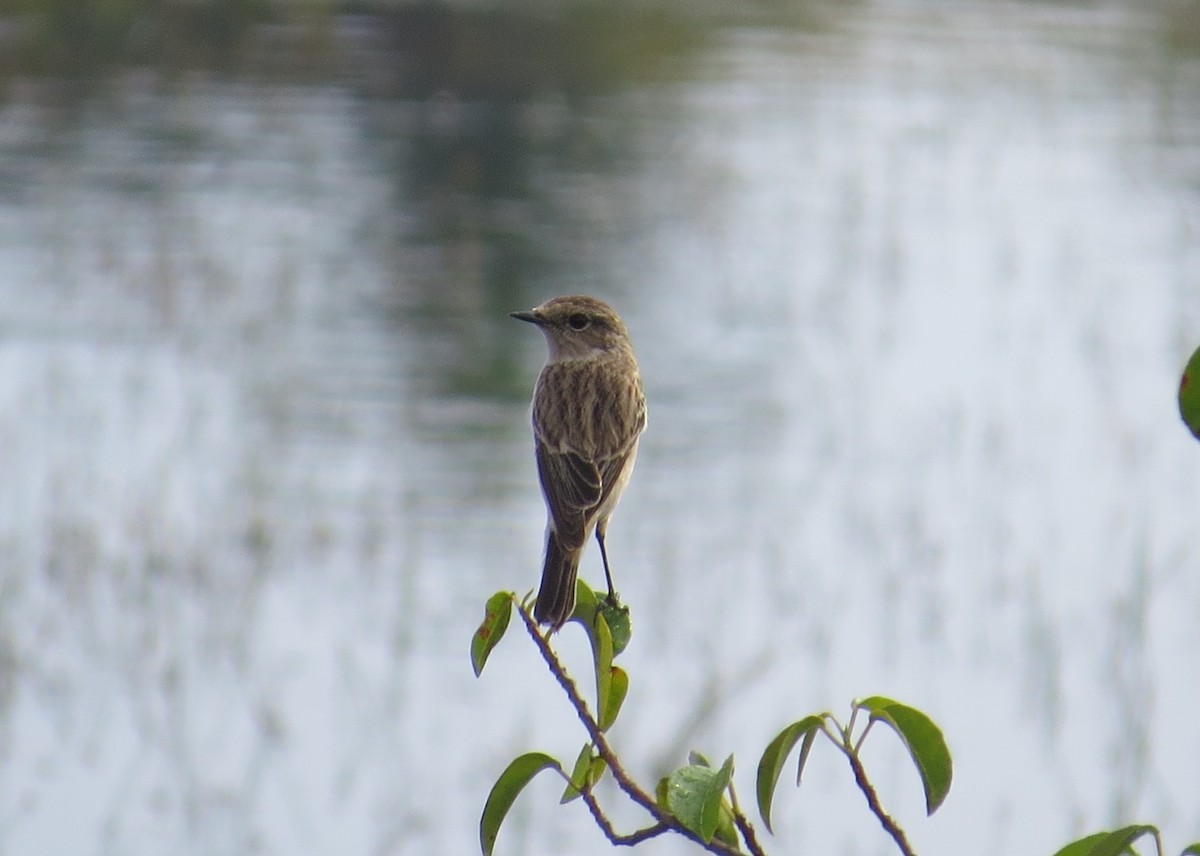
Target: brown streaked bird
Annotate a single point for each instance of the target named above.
(588, 414)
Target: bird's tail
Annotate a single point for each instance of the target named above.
(556, 596)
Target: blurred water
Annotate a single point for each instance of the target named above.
(911, 286)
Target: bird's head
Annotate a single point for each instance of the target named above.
(577, 326)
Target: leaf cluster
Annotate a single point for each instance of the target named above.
(697, 800)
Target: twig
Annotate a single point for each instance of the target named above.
(600, 741)
(893, 829)
(743, 824)
(867, 730)
(606, 826)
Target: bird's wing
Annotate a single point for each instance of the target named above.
(573, 487)
(610, 475)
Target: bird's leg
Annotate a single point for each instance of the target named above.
(612, 594)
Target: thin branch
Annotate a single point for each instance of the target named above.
(606, 826)
(892, 828)
(867, 730)
(600, 741)
(743, 824)
(849, 729)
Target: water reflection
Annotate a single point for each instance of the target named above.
(911, 289)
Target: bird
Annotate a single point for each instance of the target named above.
(589, 411)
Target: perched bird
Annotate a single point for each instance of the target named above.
(588, 414)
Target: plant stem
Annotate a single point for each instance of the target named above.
(890, 826)
(600, 741)
(743, 824)
(858, 743)
(606, 826)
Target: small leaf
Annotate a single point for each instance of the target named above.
(925, 744)
(617, 618)
(698, 759)
(660, 792)
(601, 640)
(515, 777)
(1191, 850)
(586, 603)
(715, 799)
(775, 756)
(596, 771)
(805, 747)
(685, 792)
(694, 794)
(495, 621)
(1189, 394)
(1113, 843)
(726, 825)
(588, 613)
(618, 688)
(589, 767)
(1082, 847)
(579, 775)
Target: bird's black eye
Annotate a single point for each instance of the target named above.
(578, 321)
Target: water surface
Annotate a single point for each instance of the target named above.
(911, 286)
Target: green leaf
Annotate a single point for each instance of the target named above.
(601, 640)
(579, 772)
(724, 776)
(925, 744)
(660, 793)
(726, 829)
(617, 618)
(589, 767)
(495, 621)
(515, 777)
(1119, 840)
(618, 688)
(589, 614)
(612, 684)
(1189, 394)
(586, 603)
(596, 772)
(1112, 843)
(770, 765)
(1083, 846)
(805, 747)
(1191, 850)
(694, 794)
(726, 825)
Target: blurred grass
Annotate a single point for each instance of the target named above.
(1181, 26)
(80, 37)
(586, 43)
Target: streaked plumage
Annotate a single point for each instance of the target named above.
(588, 414)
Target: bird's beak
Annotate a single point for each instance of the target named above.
(530, 316)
